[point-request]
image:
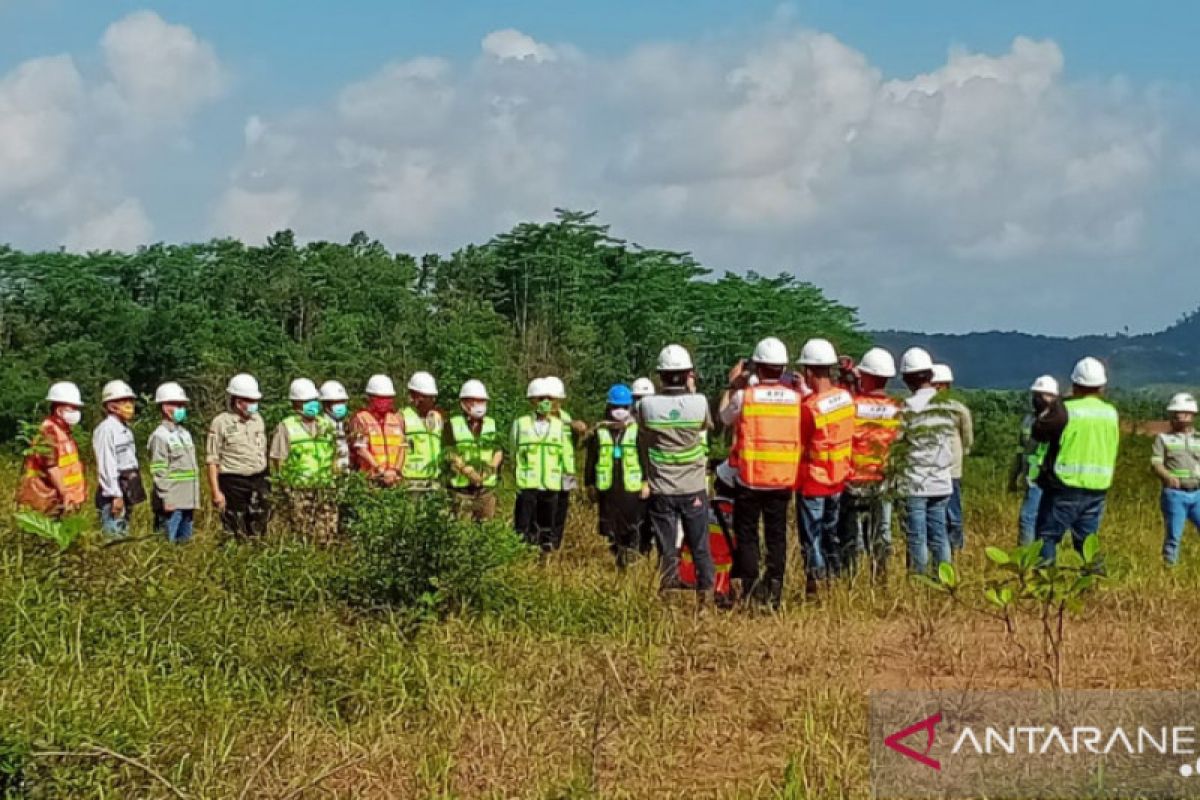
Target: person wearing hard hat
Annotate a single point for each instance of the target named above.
(236, 458)
(673, 445)
(1175, 459)
(962, 439)
(925, 474)
(1028, 461)
(1083, 434)
(615, 476)
(537, 442)
(303, 454)
(173, 466)
(423, 430)
(765, 457)
(827, 431)
(642, 387)
(866, 524)
(473, 451)
(571, 429)
(376, 434)
(118, 481)
(52, 479)
(335, 403)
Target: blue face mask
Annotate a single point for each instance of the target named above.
(339, 410)
(251, 409)
(179, 414)
(311, 408)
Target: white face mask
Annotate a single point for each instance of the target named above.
(478, 411)
(72, 416)
(620, 414)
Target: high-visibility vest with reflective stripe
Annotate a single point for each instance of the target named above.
(1087, 450)
(477, 453)
(1180, 443)
(423, 462)
(384, 440)
(1034, 457)
(766, 446)
(876, 426)
(607, 454)
(57, 443)
(828, 452)
(568, 443)
(539, 458)
(310, 455)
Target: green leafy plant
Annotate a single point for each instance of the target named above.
(63, 532)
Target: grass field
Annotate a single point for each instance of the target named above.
(207, 671)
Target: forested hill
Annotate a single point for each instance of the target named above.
(1010, 360)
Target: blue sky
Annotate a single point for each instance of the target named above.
(900, 154)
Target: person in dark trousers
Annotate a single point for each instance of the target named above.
(615, 476)
(537, 445)
(1083, 435)
(236, 457)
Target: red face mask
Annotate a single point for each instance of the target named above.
(382, 405)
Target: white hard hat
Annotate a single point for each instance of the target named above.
(381, 386)
(423, 383)
(1046, 384)
(642, 387)
(818, 353)
(555, 387)
(942, 373)
(170, 392)
(1089, 372)
(1182, 402)
(915, 359)
(303, 390)
(243, 385)
(537, 388)
(116, 390)
(66, 393)
(473, 390)
(771, 352)
(674, 358)
(333, 392)
(878, 362)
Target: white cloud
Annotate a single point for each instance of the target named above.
(39, 103)
(511, 44)
(122, 227)
(251, 216)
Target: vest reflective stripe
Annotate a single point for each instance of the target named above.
(424, 458)
(477, 453)
(689, 456)
(568, 443)
(539, 459)
(385, 440)
(310, 455)
(606, 455)
(827, 455)
(876, 426)
(667, 424)
(36, 490)
(767, 446)
(1087, 451)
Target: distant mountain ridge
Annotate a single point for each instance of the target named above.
(1011, 360)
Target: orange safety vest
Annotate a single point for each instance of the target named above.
(828, 451)
(58, 451)
(876, 425)
(767, 446)
(385, 440)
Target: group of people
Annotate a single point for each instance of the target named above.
(825, 432)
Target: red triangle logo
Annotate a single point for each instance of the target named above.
(929, 725)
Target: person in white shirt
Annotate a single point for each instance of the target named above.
(119, 484)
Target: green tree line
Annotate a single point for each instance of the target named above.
(563, 297)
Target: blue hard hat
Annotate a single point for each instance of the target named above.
(620, 395)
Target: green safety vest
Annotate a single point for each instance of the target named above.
(607, 453)
(568, 442)
(1087, 450)
(1035, 457)
(423, 461)
(310, 456)
(539, 459)
(474, 452)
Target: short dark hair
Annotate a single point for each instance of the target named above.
(675, 377)
(769, 372)
(915, 380)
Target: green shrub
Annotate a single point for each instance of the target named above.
(415, 554)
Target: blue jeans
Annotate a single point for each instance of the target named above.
(1076, 510)
(1027, 521)
(113, 525)
(177, 524)
(1178, 506)
(925, 529)
(954, 518)
(817, 519)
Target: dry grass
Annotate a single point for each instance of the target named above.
(236, 672)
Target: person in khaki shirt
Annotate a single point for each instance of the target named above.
(173, 466)
(1175, 459)
(962, 439)
(236, 456)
